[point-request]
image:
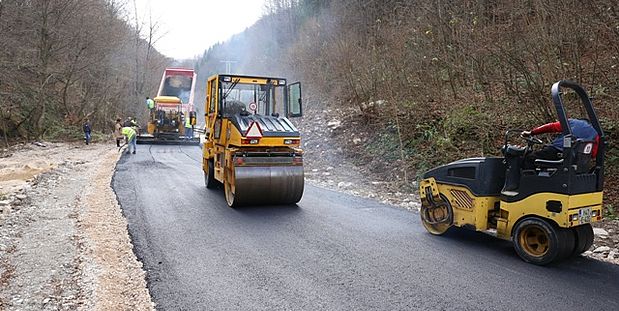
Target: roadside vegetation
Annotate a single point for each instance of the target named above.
(62, 61)
(424, 82)
(434, 81)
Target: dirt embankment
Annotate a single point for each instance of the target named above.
(63, 240)
(333, 141)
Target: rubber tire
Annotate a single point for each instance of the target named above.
(561, 242)
(567, 243)
(209, 176)
(584, 238)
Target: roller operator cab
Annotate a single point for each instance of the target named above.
(548, 210)
(250, 145)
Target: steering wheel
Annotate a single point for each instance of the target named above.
(532, 140)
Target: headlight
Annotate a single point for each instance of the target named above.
(573, 217)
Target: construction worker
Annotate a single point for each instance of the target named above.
(87, 129)
(188, 128)
(130, 122)
(127, 122)
(130, 136)
(117, 134)
(581, 129)
(150, 104)
(135, 126)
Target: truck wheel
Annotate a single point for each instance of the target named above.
(584, 238)
(209, 176)
(538, 242)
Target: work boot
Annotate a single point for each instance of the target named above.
(133, 151)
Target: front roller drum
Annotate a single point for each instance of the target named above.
(436, 218)
(264, 185)
(436, 213)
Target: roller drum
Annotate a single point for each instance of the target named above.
(262, 185)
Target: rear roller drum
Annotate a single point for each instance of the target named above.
(539, 242)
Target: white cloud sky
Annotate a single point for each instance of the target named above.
(188, 27)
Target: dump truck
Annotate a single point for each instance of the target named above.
(548, 216)
(173, 103)
(250, 146)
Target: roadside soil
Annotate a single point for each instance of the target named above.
(333, 139)
(63, 240)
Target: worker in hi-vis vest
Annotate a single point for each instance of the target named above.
(150, 104)
(188, 128)
(130, 136)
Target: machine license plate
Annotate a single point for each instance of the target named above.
(584, 215)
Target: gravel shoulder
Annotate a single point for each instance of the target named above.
(63, 240)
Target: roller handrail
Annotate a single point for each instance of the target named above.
(593, 119)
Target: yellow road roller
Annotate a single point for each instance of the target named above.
(544, 206)
(250, 146)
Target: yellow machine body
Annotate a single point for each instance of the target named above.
(248, 147)
(544, 205)
(173, 104)
(489, 212)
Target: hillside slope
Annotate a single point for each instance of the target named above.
(430, 82)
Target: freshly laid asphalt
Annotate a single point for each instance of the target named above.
(331, 251)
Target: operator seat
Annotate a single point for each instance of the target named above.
(234, 107)
(583, 153)
(582, 158)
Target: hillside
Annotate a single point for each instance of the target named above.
(64, 61)
(428, 82)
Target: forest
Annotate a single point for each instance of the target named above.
(63, 61)
(432, 81)
(435, 81)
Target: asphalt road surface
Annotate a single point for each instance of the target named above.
(332, 251)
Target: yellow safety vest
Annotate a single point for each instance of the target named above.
(188, 122)
(150, 103)
(129, 132)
